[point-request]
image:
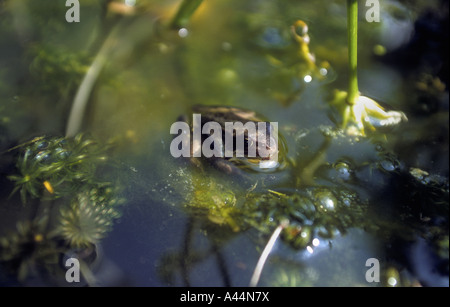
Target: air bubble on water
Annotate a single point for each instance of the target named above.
(183, 32)
(388, 162)
(379, 147)
(392, 281)
(344, 170)
(388, 165)
(61, 153)
(346, 201)
(226, 46)
(315, 242)
(42, 156)
(326, 200)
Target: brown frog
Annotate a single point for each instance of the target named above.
(241, 159)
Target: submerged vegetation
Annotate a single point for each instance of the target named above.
(354, 168)
(89, 216)
(74, 207)
(62, 166)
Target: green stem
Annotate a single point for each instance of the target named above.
(184, 13)
(352, 30)
(81, 99)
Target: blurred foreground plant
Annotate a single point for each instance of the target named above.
(184, 13)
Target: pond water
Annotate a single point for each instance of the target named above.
(115, 199)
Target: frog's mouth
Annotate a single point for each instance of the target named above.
(268, 164)
(264, 152)
(256, 164)
(271, 161)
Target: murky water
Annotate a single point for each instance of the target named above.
(347, 197)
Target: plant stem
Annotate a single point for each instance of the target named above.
(262, 259)
(80, 102)
(352, 31)
(184, 13)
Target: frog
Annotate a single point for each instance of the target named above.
(239, 165)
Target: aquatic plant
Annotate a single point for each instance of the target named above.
(361, 111)
(54, 167)
(307, 66)
(184, 13)
(107, 49)
(29, 249)
(316, 198)
(312, 212)
(213, 203)
(291, 278)
(292, 65)
(76, 207)
(83, 206)
(89, 216)
(315, 212)
(55, 71)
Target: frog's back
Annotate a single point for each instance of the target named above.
(222, 114)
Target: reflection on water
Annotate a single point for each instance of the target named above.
(115, 199)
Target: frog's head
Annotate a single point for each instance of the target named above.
(266, 142)
(263, 142)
